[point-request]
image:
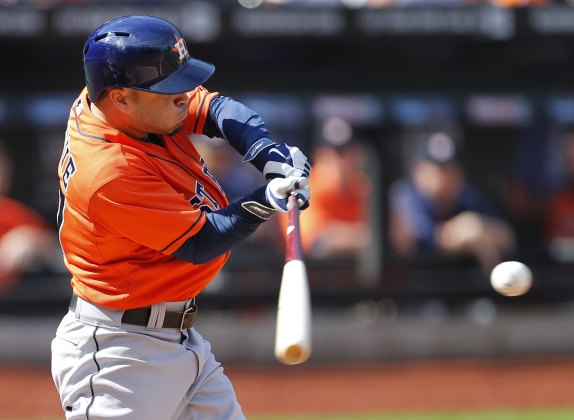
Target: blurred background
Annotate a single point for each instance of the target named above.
(442, 138)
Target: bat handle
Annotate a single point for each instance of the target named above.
(294, 250)
(293, 207)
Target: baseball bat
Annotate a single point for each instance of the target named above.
(293, 330)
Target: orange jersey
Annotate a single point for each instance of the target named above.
(127, 205)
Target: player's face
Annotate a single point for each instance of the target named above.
(155, 113)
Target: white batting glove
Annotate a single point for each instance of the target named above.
(279, 189)
(265, 201)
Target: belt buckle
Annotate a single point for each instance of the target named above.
(188, 317)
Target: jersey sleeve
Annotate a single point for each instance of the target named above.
(146, 210)
(200, 100)
(239, 125)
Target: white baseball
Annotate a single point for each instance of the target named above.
(511, 278)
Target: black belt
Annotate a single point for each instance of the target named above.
(140, 316)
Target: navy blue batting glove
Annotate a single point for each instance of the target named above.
(277, 160)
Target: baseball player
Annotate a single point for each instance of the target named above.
(144, 226)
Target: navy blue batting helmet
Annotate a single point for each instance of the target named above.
(141, 52)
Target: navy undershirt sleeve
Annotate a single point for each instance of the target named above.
(234, 122)
(223, 230)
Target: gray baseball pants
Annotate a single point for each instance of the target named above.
(104, 369)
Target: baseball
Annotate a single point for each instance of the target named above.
(511, 278)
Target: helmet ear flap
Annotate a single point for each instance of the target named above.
(112, 73)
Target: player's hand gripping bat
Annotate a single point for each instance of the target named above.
(293, 331)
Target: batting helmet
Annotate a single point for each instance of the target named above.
(141, 52)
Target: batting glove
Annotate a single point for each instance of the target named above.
(266, 201)
(277, 160)
(279, 189)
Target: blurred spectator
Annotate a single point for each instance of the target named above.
(336, 223)
(522, 3)
(435, 212)
(559, 220)
(532, 175)
(25, 239)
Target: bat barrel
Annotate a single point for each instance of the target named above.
(293, 332)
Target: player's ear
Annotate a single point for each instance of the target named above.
(119, 98)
